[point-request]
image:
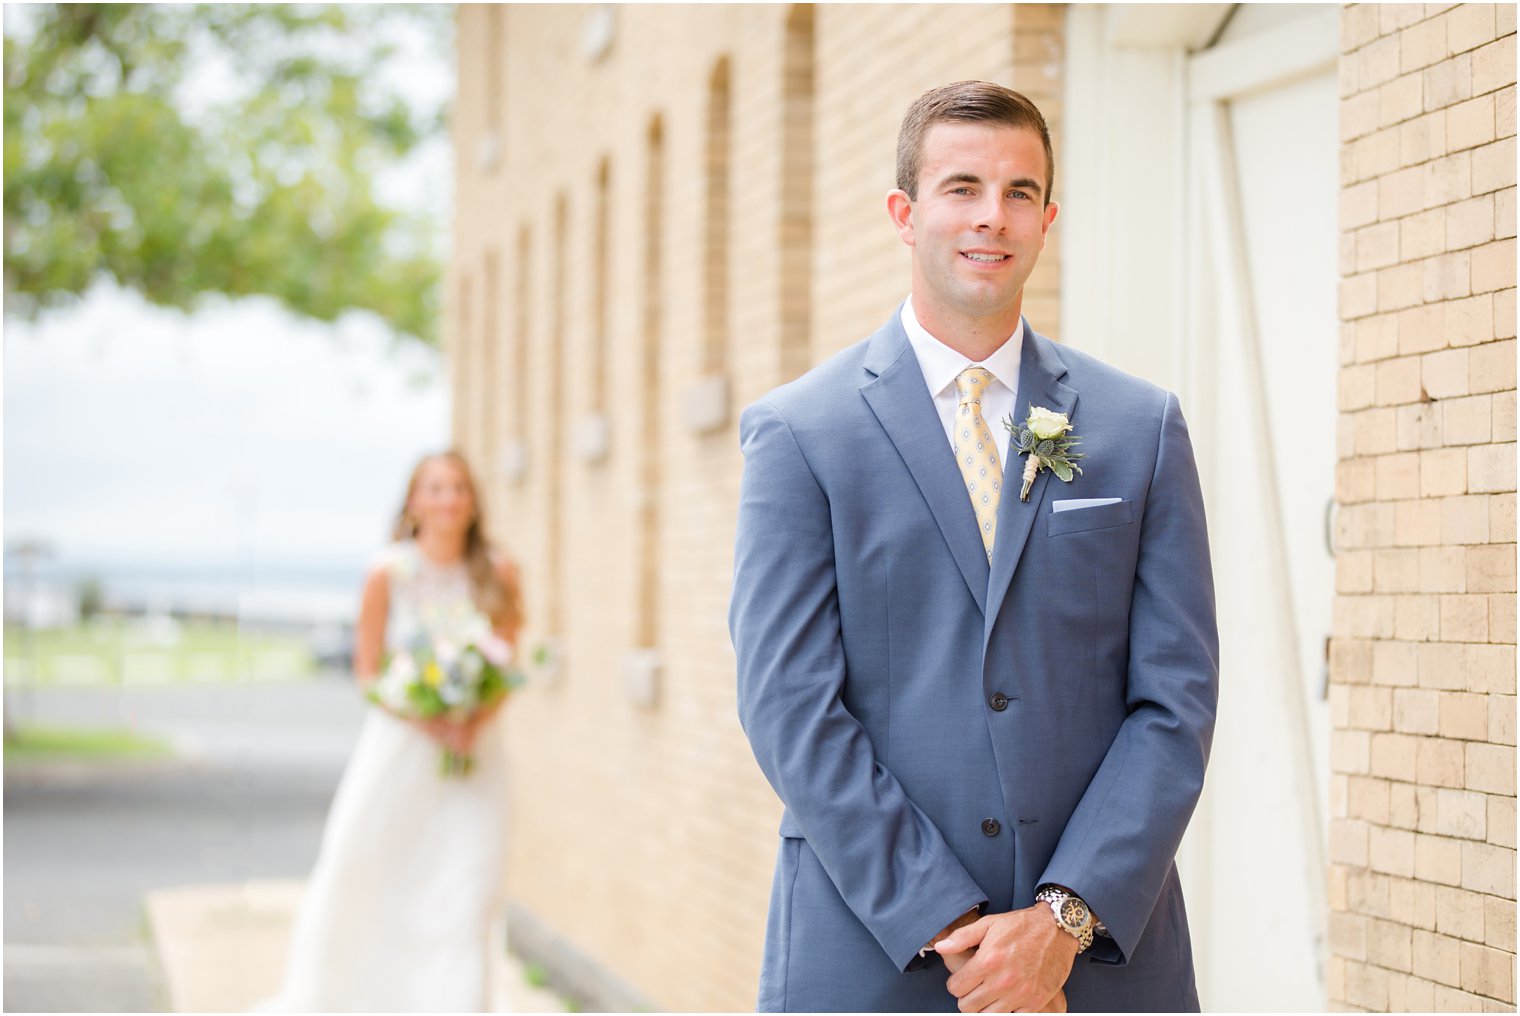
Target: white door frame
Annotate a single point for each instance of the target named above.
(1267, 60)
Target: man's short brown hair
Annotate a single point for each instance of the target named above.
(966, 102)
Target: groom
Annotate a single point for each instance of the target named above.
(987, 714)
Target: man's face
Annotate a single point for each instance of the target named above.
(978, 225)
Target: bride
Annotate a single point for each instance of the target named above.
(397, 911)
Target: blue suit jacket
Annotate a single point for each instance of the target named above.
(875, 645)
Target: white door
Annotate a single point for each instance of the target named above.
(1236, 312)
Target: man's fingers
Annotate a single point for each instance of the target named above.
(964, 938)
(954, 961)
(967, 977)
(988, 999)
(977, 988)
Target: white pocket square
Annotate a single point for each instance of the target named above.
(1082, 502)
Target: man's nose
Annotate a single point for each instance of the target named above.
(991, 216)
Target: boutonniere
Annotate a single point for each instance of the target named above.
(1046, 438)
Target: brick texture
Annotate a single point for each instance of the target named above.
(1422, 661)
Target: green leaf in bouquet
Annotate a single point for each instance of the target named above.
(425, 701)
(493, 685)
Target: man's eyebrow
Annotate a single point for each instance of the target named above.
(960, 178)
(1026, 183)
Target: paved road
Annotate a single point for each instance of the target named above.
(244, 800)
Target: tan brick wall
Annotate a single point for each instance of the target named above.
(1422, 833)
(645, 834)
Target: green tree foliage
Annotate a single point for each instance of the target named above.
(233, 149)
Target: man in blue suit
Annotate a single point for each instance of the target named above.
(986, 705)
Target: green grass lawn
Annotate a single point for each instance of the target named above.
(133, 651)
(40, 743)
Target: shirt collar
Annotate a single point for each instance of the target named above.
(941, 364)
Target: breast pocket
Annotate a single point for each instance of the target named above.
(1081, 520)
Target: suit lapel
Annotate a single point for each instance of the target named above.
(900, 399)
(1040, 373)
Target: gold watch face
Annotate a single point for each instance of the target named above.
(1073, 913)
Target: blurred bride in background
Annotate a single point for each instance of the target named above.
(397, 912)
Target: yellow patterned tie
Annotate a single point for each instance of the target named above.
(976, 453)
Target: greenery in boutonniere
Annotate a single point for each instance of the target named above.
(1045, 437)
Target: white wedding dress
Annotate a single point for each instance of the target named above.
(396, 915)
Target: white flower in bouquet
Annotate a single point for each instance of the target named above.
(398, 676)
(402, 669)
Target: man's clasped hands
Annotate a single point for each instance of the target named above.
(1011, 962)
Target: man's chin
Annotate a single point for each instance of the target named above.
(981, 307)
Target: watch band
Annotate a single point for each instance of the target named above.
(1072, 914)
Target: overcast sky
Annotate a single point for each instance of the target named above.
(238, 436)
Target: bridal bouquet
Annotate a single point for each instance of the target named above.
(448, 679)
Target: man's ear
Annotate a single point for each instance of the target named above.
(1051, 210)
(1048, 217)
(900, 208)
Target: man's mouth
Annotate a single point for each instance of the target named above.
(982, 257)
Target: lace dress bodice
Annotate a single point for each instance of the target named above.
(428, 601)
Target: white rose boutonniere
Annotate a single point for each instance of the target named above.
(1045, 437)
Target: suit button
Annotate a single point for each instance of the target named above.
(991, 826)
(999, 701)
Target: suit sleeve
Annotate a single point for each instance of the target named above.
(1119, 845)
(887, 859)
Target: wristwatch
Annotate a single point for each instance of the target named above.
(1072, 915)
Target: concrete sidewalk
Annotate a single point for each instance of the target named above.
(222, 949)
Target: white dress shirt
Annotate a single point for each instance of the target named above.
(941, 365)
